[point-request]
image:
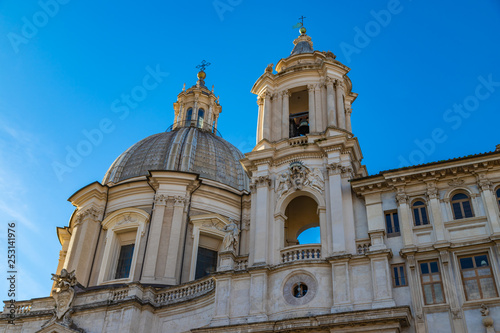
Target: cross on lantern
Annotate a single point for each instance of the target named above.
(203, 65)
(302, 19)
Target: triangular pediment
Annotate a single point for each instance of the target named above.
(58, 328)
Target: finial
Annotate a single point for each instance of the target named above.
(302, 28)
(184, 87)
(213, 86)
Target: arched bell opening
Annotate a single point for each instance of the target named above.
(299, 112)
(302, 222)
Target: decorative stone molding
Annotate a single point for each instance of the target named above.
(89, 213)
(260, 101)
(432, 191)
(285, 93)
(260, 181)
(401, 196)
(457, 313)
(336, 168)
(297, 177)
(339, 84)
(484, 183)
(160, 199)
(63, 295)
(445, 256)
(456, 182)
(410, 259)
(179, 201)
(269, 68)
(245, 222)
(487, 320)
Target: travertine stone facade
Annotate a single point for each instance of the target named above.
(188, 235)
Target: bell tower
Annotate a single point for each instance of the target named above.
(310, 94)
(304, 158)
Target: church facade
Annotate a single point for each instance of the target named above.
(187, 234)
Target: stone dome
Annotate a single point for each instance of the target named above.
(187, 149)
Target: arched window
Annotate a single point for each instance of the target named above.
(189, 115)
(498, 196)
(419, 213)
(302, 216)
(461, 206)
(201, 115)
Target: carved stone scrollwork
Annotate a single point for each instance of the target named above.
(179, 201)
(63, 294)
(260, 181)
(457, 313)
(160, 199)
(336, 168)
(411, 261)
(484, 183)
(432, 191)
(285, 93)
(91, 214)
(297, 177)
(456, 182)
(487, 320)
(311, 87)
(339, 84)
(401, 197)
(445, 256)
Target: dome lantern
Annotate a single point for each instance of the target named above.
(197, 106)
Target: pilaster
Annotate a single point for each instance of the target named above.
(312, 109)
(405, 218)
(340, 103)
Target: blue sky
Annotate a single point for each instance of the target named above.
(427, 75)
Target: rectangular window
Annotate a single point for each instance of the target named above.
(392, 224)
(399, 275)
(206, 263)
(477, 277)
(432, 285)
(124, 261)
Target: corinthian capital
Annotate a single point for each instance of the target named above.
(90, 213)
(160, 199)
(401, 197)
(261, 181)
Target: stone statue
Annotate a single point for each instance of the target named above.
(65, 280)
(283, 183)
(232, 236)
(315, 179)
(269, 68)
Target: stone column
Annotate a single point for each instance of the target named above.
(277, 113)
(261, 185)
(348, 112)
(173, 252)
(336, 209)
(416, 294)
(312, 111)
(318, 111)
(266, 133)
(325, 244)
(278, 238)
(330, 103)
(490, 200)
(451, 293)
(83, 242)
(376, 220)
(194, 115)
(405, 219)
(260, 120)
(194, 254)
(285, 118)
(208, 118)
(340, 104)
(435, 210)
(154, 237)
